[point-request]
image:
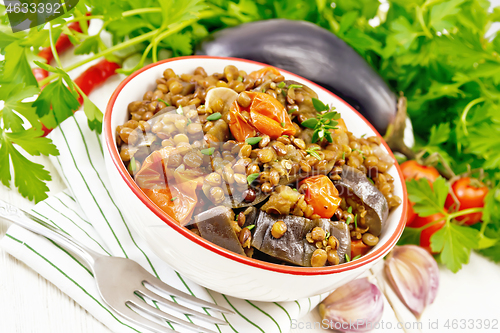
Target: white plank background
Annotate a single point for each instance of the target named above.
(29, 303)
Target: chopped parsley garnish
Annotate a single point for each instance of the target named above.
(163, 101)
(208, 151)
(252, 177)
(214, 116)
(312, 152)
(254, 140)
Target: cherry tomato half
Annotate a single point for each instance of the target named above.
(425, 236)
(322, 195)
(470, 194)
(266, 115)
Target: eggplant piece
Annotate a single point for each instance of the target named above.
(215, 226)
(304, 107)
(237, 201)
(354, 183)
(293, 247)
(312, 52)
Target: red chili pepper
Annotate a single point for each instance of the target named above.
(93, 77)
(62, 44)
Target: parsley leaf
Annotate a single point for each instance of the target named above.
(455, 243)
(489, 242)
(57, 102)
(410, 236)
(441, 11)
(17, 68)
(13, 96)
(180, 43)
(439, 134)
(427, 201)
(94, 115)
(29, 177)
(319, 105)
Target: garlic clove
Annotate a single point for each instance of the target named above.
(414, 276)
(355, 307)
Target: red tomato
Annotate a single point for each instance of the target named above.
(469, 196)
(322, 195)
(425, 236)
(412, 170)
(410, 213)
(267, 116)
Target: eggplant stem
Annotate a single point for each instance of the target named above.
(396, 132)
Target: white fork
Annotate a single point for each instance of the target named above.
(119, 280)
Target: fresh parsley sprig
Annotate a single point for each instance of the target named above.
(323, 123)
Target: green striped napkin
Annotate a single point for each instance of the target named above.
(88, 212)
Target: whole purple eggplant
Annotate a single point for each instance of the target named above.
(312, 52)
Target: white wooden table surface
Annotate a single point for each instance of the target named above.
(29, 303)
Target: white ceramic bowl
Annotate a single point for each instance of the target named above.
(208, 264)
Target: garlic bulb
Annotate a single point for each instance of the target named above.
(355, 307)
(414, 275)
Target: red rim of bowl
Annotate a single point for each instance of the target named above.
(109, 133)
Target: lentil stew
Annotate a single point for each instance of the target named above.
(258, 165)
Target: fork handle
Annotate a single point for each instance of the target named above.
(38, 226)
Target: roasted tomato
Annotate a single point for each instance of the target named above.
(266, 115)
(322, 195)
(263, 71)
(425, 236)
(412, 170)
(470, 194)
(175, 195)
